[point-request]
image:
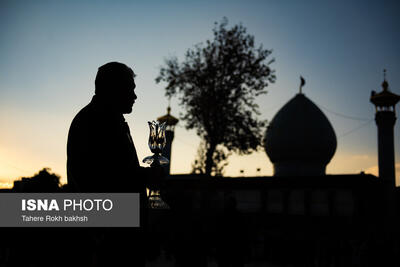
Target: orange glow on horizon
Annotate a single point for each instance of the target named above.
(17, 167)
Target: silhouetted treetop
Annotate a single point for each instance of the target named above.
(217, 84)
(43, 181)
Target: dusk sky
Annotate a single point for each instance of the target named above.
(50, 52)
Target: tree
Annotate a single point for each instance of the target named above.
(217, 84)
(219, 160)
(43, 181)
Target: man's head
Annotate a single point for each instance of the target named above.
(115, 83)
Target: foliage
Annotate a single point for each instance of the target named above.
(219, 162)
(43, 181)
(217, 84)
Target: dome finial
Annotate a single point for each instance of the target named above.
(385, 84)
(302, 83)
(169, 105)
(170, 120)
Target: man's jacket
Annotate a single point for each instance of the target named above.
(101, 153)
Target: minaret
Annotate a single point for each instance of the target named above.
(170, 121)
(385, 117)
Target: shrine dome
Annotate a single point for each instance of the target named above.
(300, 140)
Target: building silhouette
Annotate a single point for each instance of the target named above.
(300, 216)
(170, 122)
(385, 117)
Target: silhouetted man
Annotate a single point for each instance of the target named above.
(102, 158)
(101, 153)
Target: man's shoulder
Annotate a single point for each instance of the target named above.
(94, 119)
(89, 116)
(84, 122)
(85, 114)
